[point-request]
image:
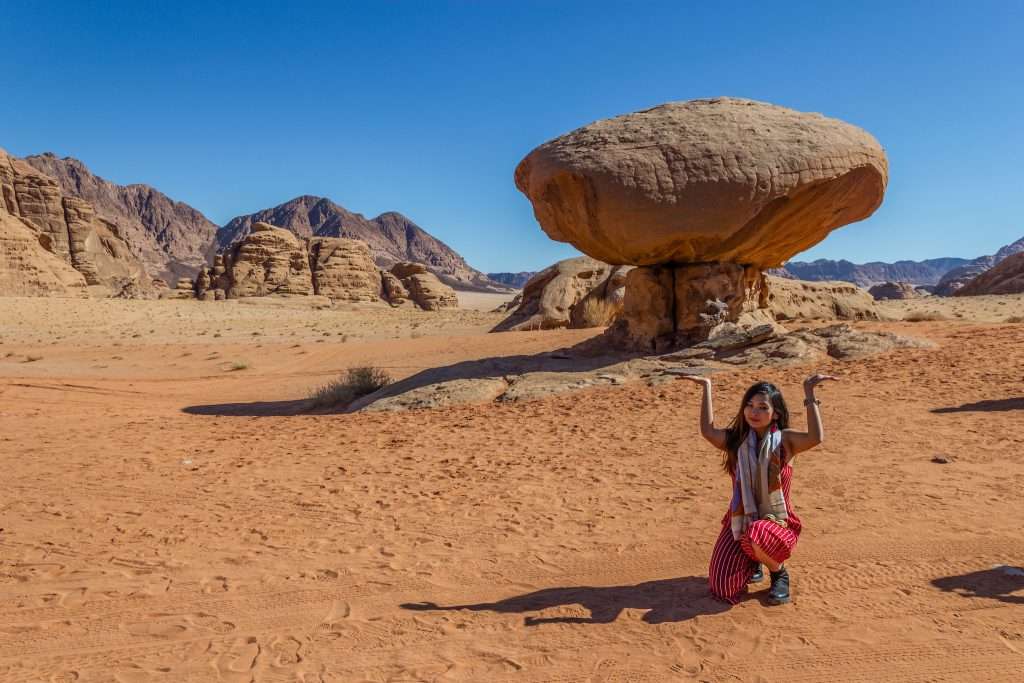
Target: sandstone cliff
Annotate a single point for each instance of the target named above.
(171, 238)
(1007, 277)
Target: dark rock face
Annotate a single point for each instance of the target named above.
(392, 237)
(1006, 277)
(514, 280)
(171, 238)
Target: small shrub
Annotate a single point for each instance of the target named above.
(32, 359)
(238, 365)
(596, 311)
(355, 383)
(1015, 319)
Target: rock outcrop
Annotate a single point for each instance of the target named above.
(514, 280)
(392, 238)
(269, 261)
(27, 268)
(703, 196)
(343, 270)
(68, 228)
(799, 300)
(424, 288)
(894, 290)
(557, 296)
(171, 238)
(956, 278)
(1005, 278)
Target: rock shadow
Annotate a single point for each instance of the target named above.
(666, 600)
(994, 405)
(997, 583)
(254, 409)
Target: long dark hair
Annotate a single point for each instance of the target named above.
(737, 431)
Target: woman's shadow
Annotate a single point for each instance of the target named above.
(667, 600)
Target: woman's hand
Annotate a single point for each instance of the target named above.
(696, 379)
(815, 380)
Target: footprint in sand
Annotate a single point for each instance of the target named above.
(237, 663)
(285, 651)
(64, 677)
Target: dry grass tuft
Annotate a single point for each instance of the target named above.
(597, 312)
(355, 383)
(923, 316)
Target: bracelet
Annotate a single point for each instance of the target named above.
(809, 401)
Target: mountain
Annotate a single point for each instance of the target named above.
(952, 281)
(392, 237)
(171, 238)
(514, 280)
(927, 272)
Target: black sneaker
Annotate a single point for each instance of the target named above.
(778, 594)
(758, 574)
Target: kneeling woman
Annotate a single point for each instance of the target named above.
(760, 526)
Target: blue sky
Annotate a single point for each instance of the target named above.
(427, 107)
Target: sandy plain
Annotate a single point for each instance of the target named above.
(167, 517)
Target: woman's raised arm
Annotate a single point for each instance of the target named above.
(797, 442)
(716, 437)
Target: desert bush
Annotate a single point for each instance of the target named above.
(238, 365)
(922, 316)
(355, 383)
(1015, 319)
(597, 312)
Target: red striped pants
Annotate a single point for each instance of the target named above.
(733, 562)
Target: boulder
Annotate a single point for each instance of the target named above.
(268, 261)
(790, 299)
(708, 180)
(425, 289)
(570, 293)
(344, 270)
(894, 290)
(394, 291)
(1006, 277)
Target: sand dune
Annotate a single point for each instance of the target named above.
(167, 517)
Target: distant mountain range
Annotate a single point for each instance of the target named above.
(174, 240)
(515, 280)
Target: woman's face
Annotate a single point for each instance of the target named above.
(758, 412)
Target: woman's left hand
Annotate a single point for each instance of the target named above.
(815, 380)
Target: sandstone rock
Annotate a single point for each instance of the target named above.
(1006, 277)
(268, 261)
(719, 180)
(69, 228)
(555, 297)
(424, 288)
(797, 299)
(27, 268)
(894, 290)
(394, 291)
(343, 270)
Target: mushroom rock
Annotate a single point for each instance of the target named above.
(709, 193)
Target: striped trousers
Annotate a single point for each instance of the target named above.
(732, 561)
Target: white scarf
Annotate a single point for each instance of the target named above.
(758, 488)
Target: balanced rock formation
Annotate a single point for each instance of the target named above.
(704, 195)
(894, 290)
(554, 297)
(69, 229)
(269, 261)
(1007, 277)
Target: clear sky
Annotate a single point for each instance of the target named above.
(427, 107)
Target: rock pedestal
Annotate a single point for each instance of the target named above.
(672, 305)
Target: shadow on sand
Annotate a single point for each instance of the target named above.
(667, 600)
(985, 406)
(583, 357)
(998, 583)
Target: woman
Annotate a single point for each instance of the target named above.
(759, 447)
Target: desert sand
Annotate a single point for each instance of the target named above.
(168, 517)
